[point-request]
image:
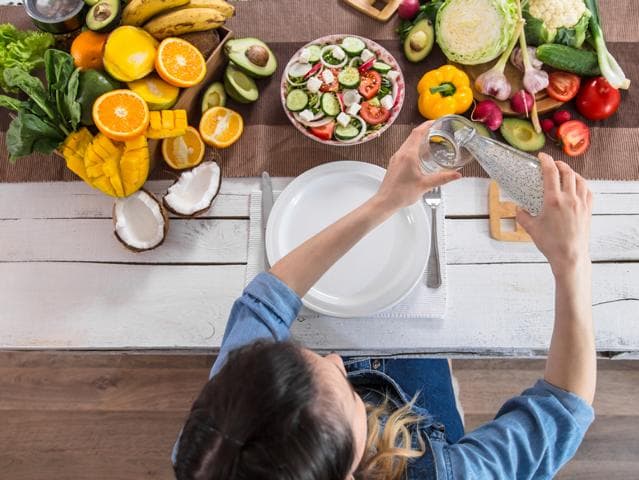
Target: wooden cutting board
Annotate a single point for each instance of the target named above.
(515, 77)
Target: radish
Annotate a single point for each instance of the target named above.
(522, 102)
(561, 116)
(408, 9)
(488, 113)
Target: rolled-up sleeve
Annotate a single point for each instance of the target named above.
(266, 310)
(532, 436)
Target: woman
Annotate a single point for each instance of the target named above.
(274, 410)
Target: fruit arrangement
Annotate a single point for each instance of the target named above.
(114, 93)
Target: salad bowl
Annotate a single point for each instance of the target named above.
(342, 90)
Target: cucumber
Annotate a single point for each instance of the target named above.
(353, 46)
(374, 102)
(381, 67)
(569, 59)
(347, 132)
(316, 51)
(330, 104)
(296, 100)
(349, 77)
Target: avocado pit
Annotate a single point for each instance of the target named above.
(257, 55)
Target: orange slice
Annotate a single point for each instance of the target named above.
(185, 151)
(221, 127)
(180, 63)
(121, 115)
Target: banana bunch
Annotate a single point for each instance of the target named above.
(170, 18)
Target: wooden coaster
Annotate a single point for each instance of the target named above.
(498, 210)
(368, 7)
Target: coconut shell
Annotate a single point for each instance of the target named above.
(165, 216)
(199, 212)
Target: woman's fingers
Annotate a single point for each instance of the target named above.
(550, 174)
(581, 187)
(568, 178)
(524, 218)
(440, 178)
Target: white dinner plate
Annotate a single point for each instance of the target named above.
(375, 274)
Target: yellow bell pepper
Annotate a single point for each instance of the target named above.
(444, 91)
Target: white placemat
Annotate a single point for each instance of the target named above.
(422, 302)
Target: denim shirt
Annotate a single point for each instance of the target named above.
(532, 436)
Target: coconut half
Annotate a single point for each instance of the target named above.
(140, 221)
(194, 192)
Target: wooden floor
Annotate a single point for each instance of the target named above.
(115, 416)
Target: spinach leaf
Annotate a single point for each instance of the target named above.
(73, 108)
(58, 69)
(32, 86)
(12, 103)
(29, 133)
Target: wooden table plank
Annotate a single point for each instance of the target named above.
(82, 240)
(493, 309)
(613, 238)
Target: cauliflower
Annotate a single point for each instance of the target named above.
(556, 21)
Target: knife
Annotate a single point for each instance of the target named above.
(267, 205)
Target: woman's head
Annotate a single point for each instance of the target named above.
(274, 411)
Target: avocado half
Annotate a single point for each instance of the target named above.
(104, 16)
(521, 134)
(252, 56)
(419, 41)
(239, 86)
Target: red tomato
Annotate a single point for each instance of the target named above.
(563, 86)
(325, 132)
(369, 84)
(597, 99)
(374, 115)
(574, 135)
(334, 85)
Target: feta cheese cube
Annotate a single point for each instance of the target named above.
(350, 97)
(387, 102)
(353, 109)
(306, 115)
(305, 55)
(367, 55)
(338, 53)
(313, 85)
(393, 75)
(328, 76)
(343, 119)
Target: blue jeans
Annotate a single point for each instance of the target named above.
(431, 378)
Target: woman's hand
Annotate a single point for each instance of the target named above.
(562, 230)
(405, 181)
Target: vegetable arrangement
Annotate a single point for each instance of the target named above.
(340, 91)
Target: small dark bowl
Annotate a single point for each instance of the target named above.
(70, 19)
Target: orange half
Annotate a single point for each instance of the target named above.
(121, 115)
(180, 63)
(221, 127)
(184, 151)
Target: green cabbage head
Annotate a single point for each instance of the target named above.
(556, 21)
(471, 32)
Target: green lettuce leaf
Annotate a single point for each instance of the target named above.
(21, 49)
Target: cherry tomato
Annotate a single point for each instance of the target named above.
(597, 99)
(325, 132)
(369, 84)
(374, 115)
(334, 85)
(563, 86)
(574, 136)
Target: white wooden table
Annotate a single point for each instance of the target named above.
(66, 283)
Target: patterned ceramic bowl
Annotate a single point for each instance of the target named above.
(382, 55)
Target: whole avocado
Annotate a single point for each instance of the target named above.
(93, 83)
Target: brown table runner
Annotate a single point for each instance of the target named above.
(270, 143)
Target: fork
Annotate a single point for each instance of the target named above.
(433, 198)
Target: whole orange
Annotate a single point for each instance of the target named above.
(87, 50)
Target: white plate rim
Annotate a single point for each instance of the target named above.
(281, 203)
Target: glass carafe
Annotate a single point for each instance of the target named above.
(453, 141)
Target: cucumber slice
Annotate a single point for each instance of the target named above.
(330, 104)
(353, 46)
(381, 67)
(296, 100)
(374, 102)
(316, 52)
(347, 132)
(349, 77)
